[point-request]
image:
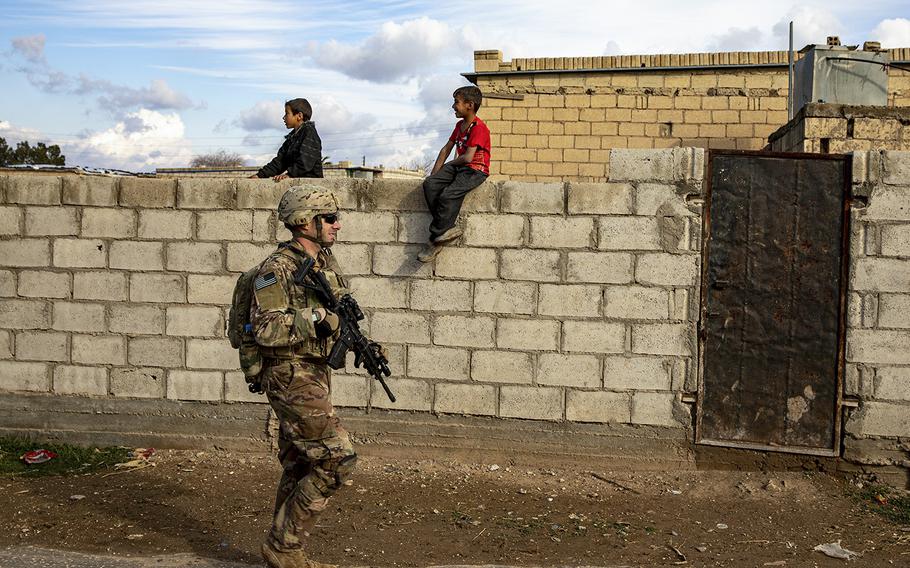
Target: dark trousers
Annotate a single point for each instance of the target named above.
(445, 191)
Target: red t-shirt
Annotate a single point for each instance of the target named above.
(477, 134)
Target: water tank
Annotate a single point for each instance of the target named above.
(840, 75)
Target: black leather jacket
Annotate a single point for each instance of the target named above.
(300, 155)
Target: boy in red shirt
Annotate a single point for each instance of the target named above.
(450, 182)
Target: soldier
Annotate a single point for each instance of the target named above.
(294, 332)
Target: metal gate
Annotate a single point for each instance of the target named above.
(771, 334)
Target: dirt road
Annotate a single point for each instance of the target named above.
(419, 512)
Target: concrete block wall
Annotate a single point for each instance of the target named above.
(561, 302)
(878, 336)
(556, 119)
(841, 129)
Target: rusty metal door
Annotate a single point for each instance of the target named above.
(772, 310)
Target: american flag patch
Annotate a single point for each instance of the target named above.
(264, 280)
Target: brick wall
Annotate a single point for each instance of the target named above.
(556, 119)
(841, 129)
(573, 302)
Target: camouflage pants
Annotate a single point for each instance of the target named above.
(314, 449)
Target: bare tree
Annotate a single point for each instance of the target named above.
(219, 159)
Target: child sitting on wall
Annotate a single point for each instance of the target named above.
(301, 154)
(449, 182)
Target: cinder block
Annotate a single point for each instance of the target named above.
(663, 339)
(42, 346)
(494, 230)
(25, 252)
(353, 259)
(368, 227)
(636, 302)
(17, 376)
(880, 275)
(398, 260)
(240, 256)
(210, 289)
(882, 419)
(887, 203)
(599, 267)
(527, 334)
(396, 195)
(69, 379)
(259, 193)
(6, 344)
(80, 253)
(155, 352)
(528, 264)
(654, 408)
(667, 269)
(438, 363)
(72, 316)
(10, 220)
(236, 389)
(99, 286)
(568, 370)
(455, 398)
(147, 192)
(224, 225)
(463, 331)
(399, 327)
(896, 240)
(502, 367)
(895, 167)
(468, 263)
(894, 311)
(481, 199)
(598, 407)
(636, 373)
(263, 226)
(96, 191)
(350, 390)
(628, 233)
(574, 300)
(892, 383)
(414, 227)
(561, 232)
(878, 346)
(165, 224)
(43, 221)
(205, 193)
(505, 297)
(136, 319)
(137, 382)
(593, 337)
(198, 257)
(111, 223)
(536, 403)
(660, 199)
(441, 295)
(380, 292)
(8, 283)
(194, 385)
(99, 349)
(44, 284)
(137, 255)
(33, 189)
(211, 354)
(193, 321)
(24, 314)
(543, 198)
(410, 394)
(600, 198)
(170, 288)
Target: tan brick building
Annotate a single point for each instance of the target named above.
(556, 119)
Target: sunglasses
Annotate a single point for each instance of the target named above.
(331, 218)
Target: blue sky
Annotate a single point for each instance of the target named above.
(151, 83)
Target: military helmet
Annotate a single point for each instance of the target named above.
(301, 203)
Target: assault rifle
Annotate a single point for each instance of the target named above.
(367, 354)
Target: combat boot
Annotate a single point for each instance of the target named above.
(297, 558)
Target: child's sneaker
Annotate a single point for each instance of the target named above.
(428, 252)
(448, 236)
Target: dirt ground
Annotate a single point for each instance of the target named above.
(409, 511)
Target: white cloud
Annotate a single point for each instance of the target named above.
(892, 33)
(13, 134)
(738, 39)
(264, 115)
(811, 25)
(30, 47)
(143, 141)
(395, 52)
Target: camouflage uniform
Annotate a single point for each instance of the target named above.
(314, 449)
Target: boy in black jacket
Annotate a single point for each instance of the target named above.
(301, 154)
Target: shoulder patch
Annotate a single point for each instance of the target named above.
(264, 280)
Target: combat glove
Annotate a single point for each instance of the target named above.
(327, 324)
